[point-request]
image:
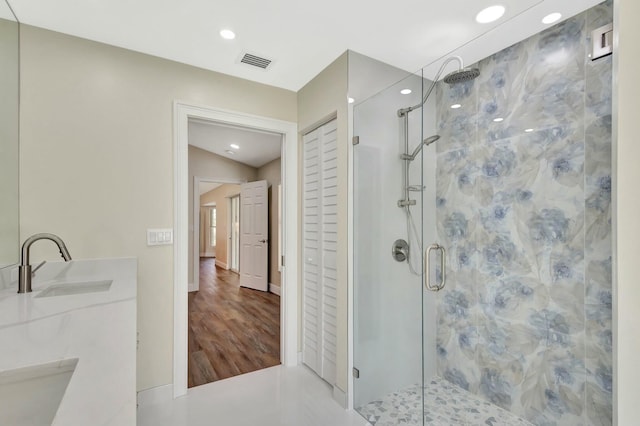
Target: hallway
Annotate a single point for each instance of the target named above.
(232, 330)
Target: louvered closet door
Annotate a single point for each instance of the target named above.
(311, 252)
(329, 243)
(319, 250)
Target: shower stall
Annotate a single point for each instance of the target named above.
(482, 239)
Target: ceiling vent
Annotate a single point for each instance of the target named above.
(255, 61)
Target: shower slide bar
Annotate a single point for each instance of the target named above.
(427, 267)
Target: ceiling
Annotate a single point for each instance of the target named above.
(5, 12)
(301, 37)
(256, 148)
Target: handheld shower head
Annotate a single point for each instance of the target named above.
(431, 139)
(428, 141)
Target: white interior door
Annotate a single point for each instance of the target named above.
(233, 254)
(254, 244)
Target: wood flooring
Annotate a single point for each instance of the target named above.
(232, 330)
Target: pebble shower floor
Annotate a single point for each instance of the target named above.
(445, 405)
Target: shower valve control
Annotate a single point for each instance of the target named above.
(400, 250)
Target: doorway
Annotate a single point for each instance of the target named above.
(289, 266)
(233, 325)
(211, 194)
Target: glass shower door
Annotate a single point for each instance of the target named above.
(390, 324)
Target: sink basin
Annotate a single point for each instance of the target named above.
(32, 395)
(68, 289)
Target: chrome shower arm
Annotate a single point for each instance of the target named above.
(404, 111)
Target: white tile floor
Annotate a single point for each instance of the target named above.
(277, 396)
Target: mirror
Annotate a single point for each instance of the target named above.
(9, 136)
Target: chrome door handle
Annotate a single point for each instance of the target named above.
(427, 267)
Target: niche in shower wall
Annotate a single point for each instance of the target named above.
(523, 207)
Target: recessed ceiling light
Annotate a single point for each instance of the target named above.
(528, 130)
(551, 18)
(405, 91)
(499, 119)
(455, 106)
(227, 34)
(234, 146)
(490, 14)
(228, 151)
(351, 100)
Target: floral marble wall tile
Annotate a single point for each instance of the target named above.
(598, 243)
(523, 208)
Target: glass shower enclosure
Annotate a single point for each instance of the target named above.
(394, 314)
(516, 328)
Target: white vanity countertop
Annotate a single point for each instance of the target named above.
(97, 328)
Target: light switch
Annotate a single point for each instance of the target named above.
(156, 237)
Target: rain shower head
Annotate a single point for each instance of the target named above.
(461, 76)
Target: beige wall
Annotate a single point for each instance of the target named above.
(322, 97)
(220, 196)
(626, 208)
(9, 144)
(272, 173)
(205, 164)
(96, 160)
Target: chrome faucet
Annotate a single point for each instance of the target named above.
(24, 271)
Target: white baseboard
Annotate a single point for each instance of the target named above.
(192, 287)
(340, 396)
(275, 289)
(160, 394)
(222, 265)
